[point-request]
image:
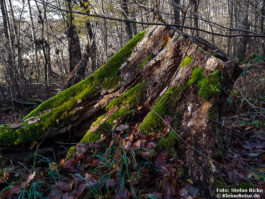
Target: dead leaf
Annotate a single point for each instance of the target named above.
(16, 125)
(45, 111)
(31, 177)
(131, 138)
(8, 175)
(109, 182)
(15, 189)
(81, 149)
(122, 194)
(33, 120)
(90, 180)
(122, 127)
(190, 181)
(55, 193)
(63, 186)
(139, 108)
(137, 144)
(65, 196)
(128, 145)
(80, 190)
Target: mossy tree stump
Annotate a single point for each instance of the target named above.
(160, 72)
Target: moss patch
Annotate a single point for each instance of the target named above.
(152, 122)
(213, 114)
(208, 86)
(71, 152)
(126, 103)
(131, 97)
(58, 108)
(180, 171)
(168, 144)
(146, 61)
(187, 61)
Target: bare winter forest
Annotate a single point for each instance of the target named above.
(132, 99)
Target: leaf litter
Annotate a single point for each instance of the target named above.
(127, 165)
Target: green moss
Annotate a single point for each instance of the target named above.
(2, 171)
(149, 57)
(208, 86)
(180, 171)
(126, 103)
(187, 61)
(197, 75)
(152, 122)
(59, 107)
(71, 153)
(212, 114)
(168, 144)
(131, 97)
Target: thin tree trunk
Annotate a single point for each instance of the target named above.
(125, 14)
(10, 70)
(194, 14)
(91, 49)
(45, 46)
(37, 68)
(176, 9)
(134, 26)
(262, 26)
(74, 48)
(242, 45)
(230, 11)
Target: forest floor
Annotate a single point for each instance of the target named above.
(126, 165)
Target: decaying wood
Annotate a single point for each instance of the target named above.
(166, 51)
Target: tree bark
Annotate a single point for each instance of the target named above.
(74, 48)
(156, 75)
(194, 15)
(125, 14)
(34, 40)
(262, 26)
(242, 47)
(176, 9)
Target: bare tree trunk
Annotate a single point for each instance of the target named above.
(125, 14)
(45, 45)
(74, 48)
(194, 15)
(17, 36)
(262, 26)
(134, 26)
(37, 69)
(175, 4)
(230, 11)
(91, 49)
(242, 45)
(10, 70)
